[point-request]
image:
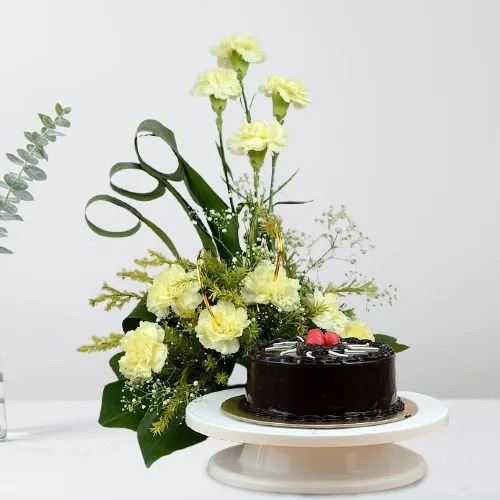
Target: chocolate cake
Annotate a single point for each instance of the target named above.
(353, 380)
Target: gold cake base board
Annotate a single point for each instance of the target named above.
(231, 407)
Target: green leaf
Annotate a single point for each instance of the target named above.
(5, 251)
(6, 216)
(46, 121)
(8, 207)
(202, 194)
(67, 110)
(138, 314)
(391, 341)
(14, 182)
(113, 363)
(112, 414)
(62, 122)
(35, 173)
(151, 195)
(38, 139)
(23, 195)
(40, 153)
(59, 109)
(3, 231)
(14, 159)
(132, 230)
(292, 202)
(28, 158)
(176, 437)
(55, 133)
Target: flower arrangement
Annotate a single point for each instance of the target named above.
(252, 279)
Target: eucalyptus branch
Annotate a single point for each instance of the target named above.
(16, 184)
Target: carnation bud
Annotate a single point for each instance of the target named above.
(257, 158)
(218, 105)
(280, 107)
(239, 64)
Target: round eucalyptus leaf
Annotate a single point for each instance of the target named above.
(35, 173)
(46, 121)
(5, 251)
(62, 122)
(3, 230)
(23, 195)
(14, 182)
(2, 184)
(5, 216)
(27, 157)
(14, 159)
(8, 207)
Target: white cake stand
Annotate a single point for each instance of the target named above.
(301, 460)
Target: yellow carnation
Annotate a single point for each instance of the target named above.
(247, 47)
(221, 332)
(220, 83)
(260, 287)
(291, 91)
(145, 351)
(258, 136)
(329, 316)
(359, 330)
(174, 288)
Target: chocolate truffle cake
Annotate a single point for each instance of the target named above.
(293, 380)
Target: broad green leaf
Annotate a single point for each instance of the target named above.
(138, 314)
(151, 195)
(67, 110)
(35, 173)
(46, 121)
(112, 414)
(391, 341)
(202, 194)
(132, 230)
(59, 109)
(23, 195)
(14, 159)
(27, 157)
(5, 251)
(14, 182)
(176, 437)
(62, 122)
(113, 363)
(6, 216)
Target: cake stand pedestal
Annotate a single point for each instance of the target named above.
(302, 460)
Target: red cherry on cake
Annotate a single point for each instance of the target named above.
(331, 338)
(316, 337)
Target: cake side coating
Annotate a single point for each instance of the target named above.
(311, 382)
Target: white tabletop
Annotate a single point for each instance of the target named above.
(56, 451)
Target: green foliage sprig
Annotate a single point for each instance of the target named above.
(102, 343)
(14, 187)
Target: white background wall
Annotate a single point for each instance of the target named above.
(404, 128)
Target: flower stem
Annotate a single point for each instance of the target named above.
(245, 102)
(274, 160)
(218, 122)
